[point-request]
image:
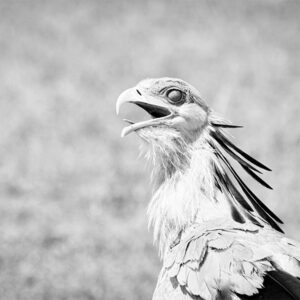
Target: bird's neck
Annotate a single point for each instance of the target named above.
(185, 191)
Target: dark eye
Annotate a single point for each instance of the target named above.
(175, 95)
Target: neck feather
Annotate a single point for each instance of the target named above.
(185, 187)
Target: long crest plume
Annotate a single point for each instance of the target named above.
(243, 202)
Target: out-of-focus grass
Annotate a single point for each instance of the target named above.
(73, 194)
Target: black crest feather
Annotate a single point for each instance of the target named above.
(245, 199)
(221, 125)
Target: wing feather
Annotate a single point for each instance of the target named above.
(237, 262)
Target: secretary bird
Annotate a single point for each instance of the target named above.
(216, 238)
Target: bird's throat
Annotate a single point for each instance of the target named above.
(185, 193)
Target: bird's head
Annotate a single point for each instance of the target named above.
(176, 109)
(187, 140)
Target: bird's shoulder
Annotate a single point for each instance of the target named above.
(221, 259)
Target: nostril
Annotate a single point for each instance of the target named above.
(139, 92)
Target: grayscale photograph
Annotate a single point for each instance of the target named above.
(150, 150)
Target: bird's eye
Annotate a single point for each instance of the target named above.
(175, 96)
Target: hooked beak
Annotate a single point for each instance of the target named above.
(158, 110)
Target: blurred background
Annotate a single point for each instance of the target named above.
(73, 194)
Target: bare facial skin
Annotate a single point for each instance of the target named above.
(171, 103)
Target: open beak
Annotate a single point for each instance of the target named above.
(158, 110)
